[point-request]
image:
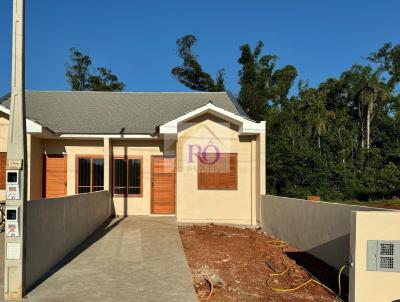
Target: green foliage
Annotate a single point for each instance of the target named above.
(81, 77)
(105, 80)
(340, 140)
(261, 83)
(317, 142)
(190, 73)
(388, 60)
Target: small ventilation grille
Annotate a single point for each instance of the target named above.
(383, 255)
(386, 263)
(387, 249)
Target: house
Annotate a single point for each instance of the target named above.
(195, 155)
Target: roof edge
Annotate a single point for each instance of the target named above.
(246, 126)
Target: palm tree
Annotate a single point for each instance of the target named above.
(366, 90)
(316, 112)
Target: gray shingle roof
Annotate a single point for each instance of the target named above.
(116, 112)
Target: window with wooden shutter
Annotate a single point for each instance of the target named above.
(3, 156)
(217, 171)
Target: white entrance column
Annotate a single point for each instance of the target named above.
(108, 167)
(14, 268)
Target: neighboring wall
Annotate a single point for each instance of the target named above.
(3, 142)
(321, 229)
(223, 206)
(35, 162)
(56, 226)
(371, 286)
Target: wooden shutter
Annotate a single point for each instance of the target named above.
(3, 156)
(221, 175)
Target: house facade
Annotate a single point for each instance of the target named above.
(195, 155)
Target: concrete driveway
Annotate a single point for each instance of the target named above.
(130, 259)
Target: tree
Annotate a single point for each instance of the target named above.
(260, 83)
(80, 76)
(190, 72)
(366, 90)
(388, 60)
(105, 80)
(316, 113)
(339, 140)
(78, 73)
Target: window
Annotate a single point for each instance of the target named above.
(90, 176)
(3, 157)
(128, 176)
(217, 171)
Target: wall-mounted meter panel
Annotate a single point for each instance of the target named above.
(12, 221)
(13, 184)
(383, 256)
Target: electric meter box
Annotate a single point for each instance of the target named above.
(383, 256)
(13, 185)
(12, 221)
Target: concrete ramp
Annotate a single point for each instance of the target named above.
(128, 259)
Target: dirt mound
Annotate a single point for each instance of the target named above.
(239, 261)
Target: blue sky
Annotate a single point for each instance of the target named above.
(136, 39)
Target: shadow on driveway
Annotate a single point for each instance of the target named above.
(135, 258)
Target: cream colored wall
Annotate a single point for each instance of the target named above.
(35, 162)
(372, 286)
(223, 206)
(260, 174)
(3, 141)
(238, 206)
(72, 148)
(145, 149)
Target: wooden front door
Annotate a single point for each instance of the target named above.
(55, 175)
(162, 185)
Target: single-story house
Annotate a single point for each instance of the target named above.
(195, 155)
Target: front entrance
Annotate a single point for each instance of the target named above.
(55, 175)
(162, 185)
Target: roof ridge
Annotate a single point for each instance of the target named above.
(129, 92)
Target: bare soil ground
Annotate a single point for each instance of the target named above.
(242, 260)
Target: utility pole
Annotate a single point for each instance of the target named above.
(16, 184)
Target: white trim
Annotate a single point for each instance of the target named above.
(102, 136)
(31, 126)
(246, 127)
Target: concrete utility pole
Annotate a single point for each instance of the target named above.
(16, 185)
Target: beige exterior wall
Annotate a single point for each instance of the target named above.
(145, 149)
(371, 286)
(72, 148)
(223, 206)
